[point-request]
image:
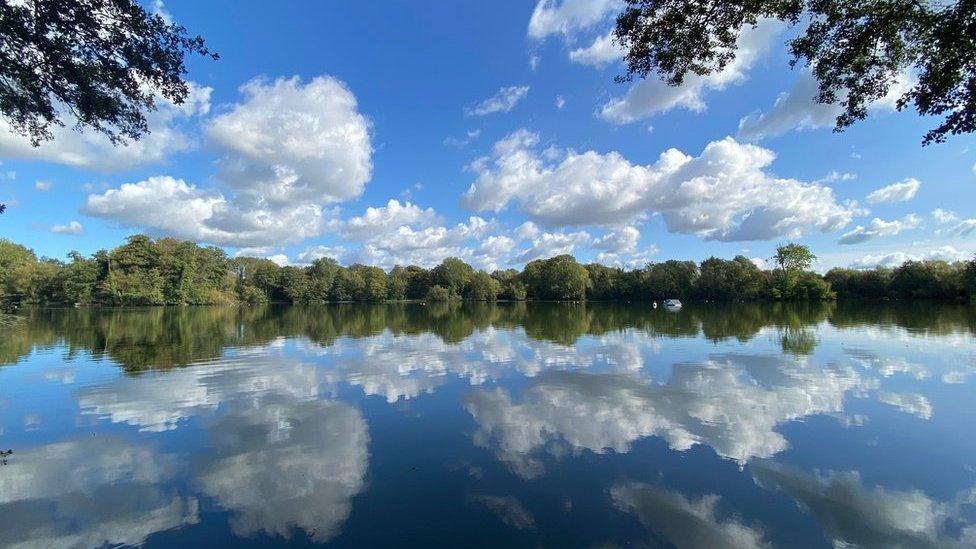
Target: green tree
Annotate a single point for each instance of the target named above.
(482, 287)
(559, 277)
(452, 274)
(396, 283)
(512, 288)
(321, 277)
(105, 61)
(418, 282)
(969, 278)
(606, 283)
(295, 284)
(439, 293)
(792, 259)
(856, 49)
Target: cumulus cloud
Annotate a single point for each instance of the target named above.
(72, 227)
(548, 245)
(894, 259)
(290, 149)
(565, 17)
(460, 142)
(289, 142)
(384, 220)
(684, 522)
(604, 50)
(91, 150)
(503, 101)
(963, 228)
(879, 227)
(798, 109)
(43, 186)
(723, 194)
(944, 216)
(902, 191)
(652, 95)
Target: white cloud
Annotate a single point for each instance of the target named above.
(289, 142)
(902, 191)
(552, 17)
(378, 222)
(548, 245)
(963, 228)
(280, 260)
(503, 101)
(72, 227)
(944, 216)
(652, 95)
(318, 252)
(618, 242)
(291, 149)
(723, 194)
(460, 142)
(43, 185)
(798, 109)
(560, 102)
(835, 176)
(879, 227)
(944, 253)
(91, 150)
(602, 51)
(527, 231)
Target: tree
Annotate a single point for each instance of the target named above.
(322, 274)
(559, 277)
(452, 274)
(969, 278)
(792, 259)
(105, 62)
(857, 50)
(482, 287)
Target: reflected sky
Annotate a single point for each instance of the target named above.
(511, 424)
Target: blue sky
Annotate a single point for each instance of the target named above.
(392, 132)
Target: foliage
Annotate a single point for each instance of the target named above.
(167, 271)
(857, 50)
(439, 293)
(106, 62)
(559, 277)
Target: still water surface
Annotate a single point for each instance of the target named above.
(520, 425)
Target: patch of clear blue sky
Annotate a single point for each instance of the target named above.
(413, 68)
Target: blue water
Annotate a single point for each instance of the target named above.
(512, 425)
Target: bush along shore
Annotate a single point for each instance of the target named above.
(167, 271)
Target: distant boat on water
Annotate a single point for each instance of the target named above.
(672, 303)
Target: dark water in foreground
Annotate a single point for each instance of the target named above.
(519, 425)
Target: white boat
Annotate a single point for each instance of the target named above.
(672, 303)
(655, 304)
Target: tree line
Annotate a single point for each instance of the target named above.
(167, 271)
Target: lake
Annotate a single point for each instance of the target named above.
(548, 424)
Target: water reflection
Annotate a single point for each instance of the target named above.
(687, 428)
(731, 403)
(47, 495)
